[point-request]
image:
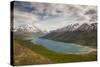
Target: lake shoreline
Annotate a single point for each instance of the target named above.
(89, 51)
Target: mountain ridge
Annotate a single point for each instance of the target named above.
(84, 34)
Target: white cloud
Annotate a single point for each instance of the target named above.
(21, 17)
(66, 14)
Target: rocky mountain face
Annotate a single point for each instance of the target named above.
(27, 28)
(78, 27)
(85, 27)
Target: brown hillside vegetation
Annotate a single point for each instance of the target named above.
(25, 56)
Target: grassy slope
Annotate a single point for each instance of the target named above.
(53, 56)
(24, 56)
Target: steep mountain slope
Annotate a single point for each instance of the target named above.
(84, 34)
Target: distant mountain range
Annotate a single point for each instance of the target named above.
(71, 27)
(78, 27)
(28, 28)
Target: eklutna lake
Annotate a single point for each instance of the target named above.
(61, 47)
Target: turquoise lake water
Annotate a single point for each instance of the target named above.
(60, 46)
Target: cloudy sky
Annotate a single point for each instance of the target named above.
(51, 16)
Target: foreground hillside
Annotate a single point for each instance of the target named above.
(26, 53)
(25, 56)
